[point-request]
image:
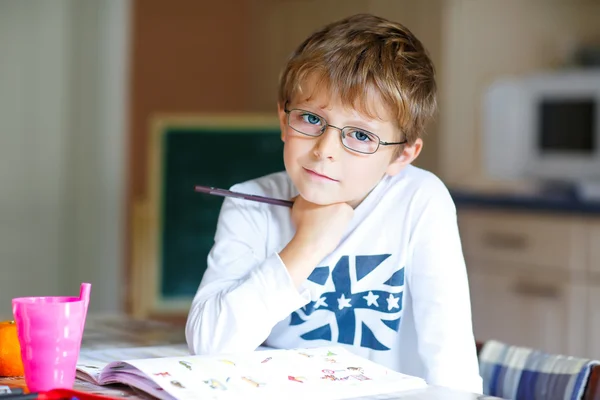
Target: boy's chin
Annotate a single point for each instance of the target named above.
(321, 199)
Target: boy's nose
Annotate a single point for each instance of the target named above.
(329, 143)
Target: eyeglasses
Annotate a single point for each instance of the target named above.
(355, 139)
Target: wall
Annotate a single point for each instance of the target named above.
(199, 57)
(64, 105)
(33, 121)
(486, 39)
(96, 149)
(187, 57)
(62, 97)
(65, 162)
(190, 57)
(280, 26)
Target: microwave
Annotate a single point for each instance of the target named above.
(544, 127)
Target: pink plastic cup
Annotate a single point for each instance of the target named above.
(50, 330)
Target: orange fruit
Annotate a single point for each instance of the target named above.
(10, 350)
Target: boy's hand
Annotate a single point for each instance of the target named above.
(320, 227)
(319, 230)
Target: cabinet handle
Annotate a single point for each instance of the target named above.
(502, 240)
(532, 289)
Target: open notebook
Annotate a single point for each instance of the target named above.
(315, 373)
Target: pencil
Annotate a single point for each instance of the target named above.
(252, 197)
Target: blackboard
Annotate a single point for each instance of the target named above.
(220, 152)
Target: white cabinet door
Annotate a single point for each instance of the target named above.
(594, 323)
(594, 246)
(594, 293)
(546, 243)
(542, 312)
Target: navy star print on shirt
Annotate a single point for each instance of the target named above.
(383, 302)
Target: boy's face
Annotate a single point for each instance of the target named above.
(326, 172)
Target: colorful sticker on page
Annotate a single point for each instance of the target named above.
(215, 384)
(253, 381)
(228, 362)
(186, 364)
(299, 379)
(177, 384)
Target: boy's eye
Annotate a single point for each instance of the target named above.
(361, 136)
(311, 119)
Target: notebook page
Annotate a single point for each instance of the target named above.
(327, 373)
(91, 362)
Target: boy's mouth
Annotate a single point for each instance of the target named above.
(318, 175)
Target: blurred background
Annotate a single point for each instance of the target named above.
(82, 80)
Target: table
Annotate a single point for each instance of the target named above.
(118, 331)
(114, 331)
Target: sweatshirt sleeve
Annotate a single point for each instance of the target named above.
(440, 296)
(244, 292)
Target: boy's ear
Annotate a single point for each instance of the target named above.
(408, 155)
(282, 116)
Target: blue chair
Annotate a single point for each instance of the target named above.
(522, 373)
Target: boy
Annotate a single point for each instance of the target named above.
(369, 257)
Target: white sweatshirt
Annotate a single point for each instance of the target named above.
(395, 290)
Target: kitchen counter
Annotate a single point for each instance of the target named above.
(553, 202)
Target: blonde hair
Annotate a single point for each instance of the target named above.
(357, 54)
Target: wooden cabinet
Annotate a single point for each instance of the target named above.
(594, 245)
(524, 240)
(593, 339)
(530, 279)
(524, 310)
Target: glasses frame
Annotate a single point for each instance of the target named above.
(328, 125)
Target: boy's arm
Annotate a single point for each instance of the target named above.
(440, 297)
(244, 291)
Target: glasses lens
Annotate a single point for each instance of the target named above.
(306, 122)
(361, 141)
